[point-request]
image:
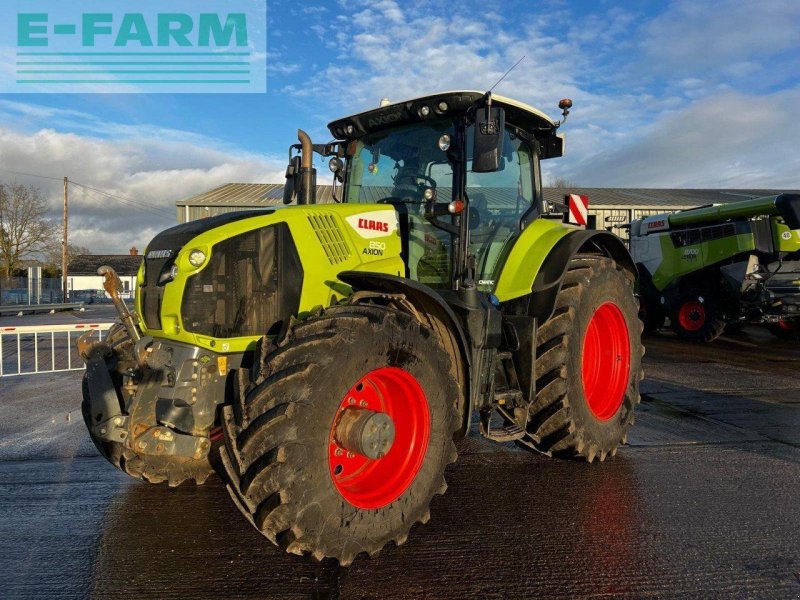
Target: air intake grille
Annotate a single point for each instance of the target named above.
(330, 237)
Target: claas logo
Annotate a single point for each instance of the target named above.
(373, 225)
(654, 224)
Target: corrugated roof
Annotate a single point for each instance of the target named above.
(249, 195)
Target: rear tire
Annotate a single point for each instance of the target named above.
(286, 471)
(696, 318)
(152, 469)
(588, 363)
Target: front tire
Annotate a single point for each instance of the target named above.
(288, 472)
(588, 363)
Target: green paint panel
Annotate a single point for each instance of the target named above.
(785, 239)
(327, 246)
(527, 256)
(678, 262)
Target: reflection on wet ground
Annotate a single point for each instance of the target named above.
(702, 503)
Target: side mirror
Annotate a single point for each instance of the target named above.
(487, 146)
(290, 188)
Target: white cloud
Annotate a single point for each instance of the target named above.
(731, 140)
(664, 100)
(151, 170)
(691, 36)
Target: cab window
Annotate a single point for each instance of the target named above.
(497, 203)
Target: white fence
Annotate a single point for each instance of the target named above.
(43, 348)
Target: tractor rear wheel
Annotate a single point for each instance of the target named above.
(146, 467)
(588, 363)
(696, 318)
(340, 442)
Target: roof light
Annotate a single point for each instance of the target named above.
(350, 130)
(424, 110)
(444, 143)
(443, 106)
(428, 194)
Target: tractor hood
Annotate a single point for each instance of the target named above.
(175, 238)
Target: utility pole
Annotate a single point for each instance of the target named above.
(64, 242)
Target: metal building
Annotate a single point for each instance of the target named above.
(613, 207)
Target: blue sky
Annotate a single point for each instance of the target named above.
(667, 94)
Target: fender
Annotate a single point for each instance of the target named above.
(428, 301)
(548, 280)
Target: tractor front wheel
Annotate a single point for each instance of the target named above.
(342, 440)
(588, 364)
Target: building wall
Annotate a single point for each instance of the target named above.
(95, 282)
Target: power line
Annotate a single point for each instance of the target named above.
(123, 199)
(129, 201)
(126, 201)
(32, 175)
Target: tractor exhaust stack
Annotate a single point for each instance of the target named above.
(307, 189)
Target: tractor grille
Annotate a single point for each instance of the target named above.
(249, 286)
(151, 291)
(330, 238)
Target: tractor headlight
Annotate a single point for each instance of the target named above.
(197, 257)
(168, 275)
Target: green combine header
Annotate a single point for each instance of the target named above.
(721, 265)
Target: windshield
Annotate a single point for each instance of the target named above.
(398, 165)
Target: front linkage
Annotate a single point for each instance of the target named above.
(150, 405)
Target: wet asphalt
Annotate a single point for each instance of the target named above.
(703, 502)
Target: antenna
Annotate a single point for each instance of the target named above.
(514, 66)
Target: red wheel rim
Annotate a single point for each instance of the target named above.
(606, 361)
(373, 483)
(692, 315)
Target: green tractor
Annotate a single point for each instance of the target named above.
(330, 355)
(721, 266)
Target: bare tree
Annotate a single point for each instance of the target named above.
(561, 183)
(24, 230)
(52, 254)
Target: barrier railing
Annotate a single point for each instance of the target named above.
(43, 348)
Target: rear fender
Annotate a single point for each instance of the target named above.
(546, 282)
(441, 319)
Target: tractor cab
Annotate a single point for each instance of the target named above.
(461, 198)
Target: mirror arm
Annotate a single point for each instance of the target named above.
(433, 211)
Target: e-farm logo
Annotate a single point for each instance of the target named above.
(135, 46)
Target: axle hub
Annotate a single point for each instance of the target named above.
(365, 432)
